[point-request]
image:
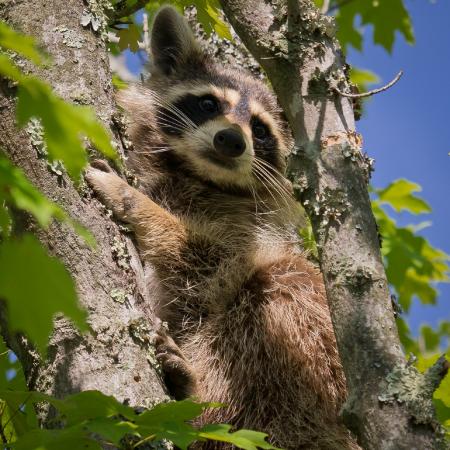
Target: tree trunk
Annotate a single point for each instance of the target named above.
(116, 357)
(296, 47)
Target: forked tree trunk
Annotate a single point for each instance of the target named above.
(116, 357)
(296, 47)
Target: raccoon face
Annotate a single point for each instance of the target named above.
(220, 122)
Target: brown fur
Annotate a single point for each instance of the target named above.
(245, 307)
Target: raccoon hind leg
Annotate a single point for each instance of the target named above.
(179, 375)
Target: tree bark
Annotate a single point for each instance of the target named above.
(296, 47)
(116, 357)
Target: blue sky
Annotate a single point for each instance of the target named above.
(407, 128)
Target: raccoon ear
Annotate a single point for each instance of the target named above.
(172, 42)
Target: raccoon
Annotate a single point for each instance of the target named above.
(214, 216)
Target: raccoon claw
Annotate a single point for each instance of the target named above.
(179, 376)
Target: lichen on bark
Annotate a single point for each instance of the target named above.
(301, 57)
(109, 358)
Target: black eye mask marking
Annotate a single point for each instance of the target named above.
(264, 142)
(198, 109)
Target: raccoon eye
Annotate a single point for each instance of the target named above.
(208, 104)
(260, 131)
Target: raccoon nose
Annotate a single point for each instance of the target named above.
(229, 142)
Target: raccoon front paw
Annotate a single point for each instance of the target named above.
(179, 376)
(112, 190)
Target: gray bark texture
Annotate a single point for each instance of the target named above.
(296, 47)
(116, 357)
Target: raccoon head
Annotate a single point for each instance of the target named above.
(222, 124)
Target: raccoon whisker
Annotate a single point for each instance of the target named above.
(177, 116)
(151, 151)
(180, 115)
(165, 104)
(165, 119)
(162, 150)
(274, 176)
(263, 170)
(170, 120)
(272, 169)
(253, 192)
(261, 178)
(174, 125)
(272, 181)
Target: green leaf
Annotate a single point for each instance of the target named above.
(180, 411)
(118, 83)
(129, 38)
(399, 195)
(318, 3)
(111, 429)
(245, 439)
(442, 411)
(442, 393)
(8, 69)
(88, 405)
(5, 219)
(308, 240)
(208, 14)
(74, 438)
(363, 78)
(431, 339)
(93, 412)
(64, 125)
(386, 16)
(19, 419)
(409, 344)
(15, 189)
(36, 288)
(413, 265)
(24, 45)
(167, 421)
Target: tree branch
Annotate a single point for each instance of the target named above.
(373, 91)
(296, 47)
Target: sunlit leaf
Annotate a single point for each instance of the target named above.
(112, 429)
(36, 287)
(8, 69)
(431, 338)
(64, 125)
(245, 439)
(413, 265)
(129, 38)
(387, 17)
(208, 14)
(399, 195)
(363, 78)
(74, 438)
(24, 45)
(409, 344)
(90, 405)
(19, 419)
(16, 190)
(168, 421)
